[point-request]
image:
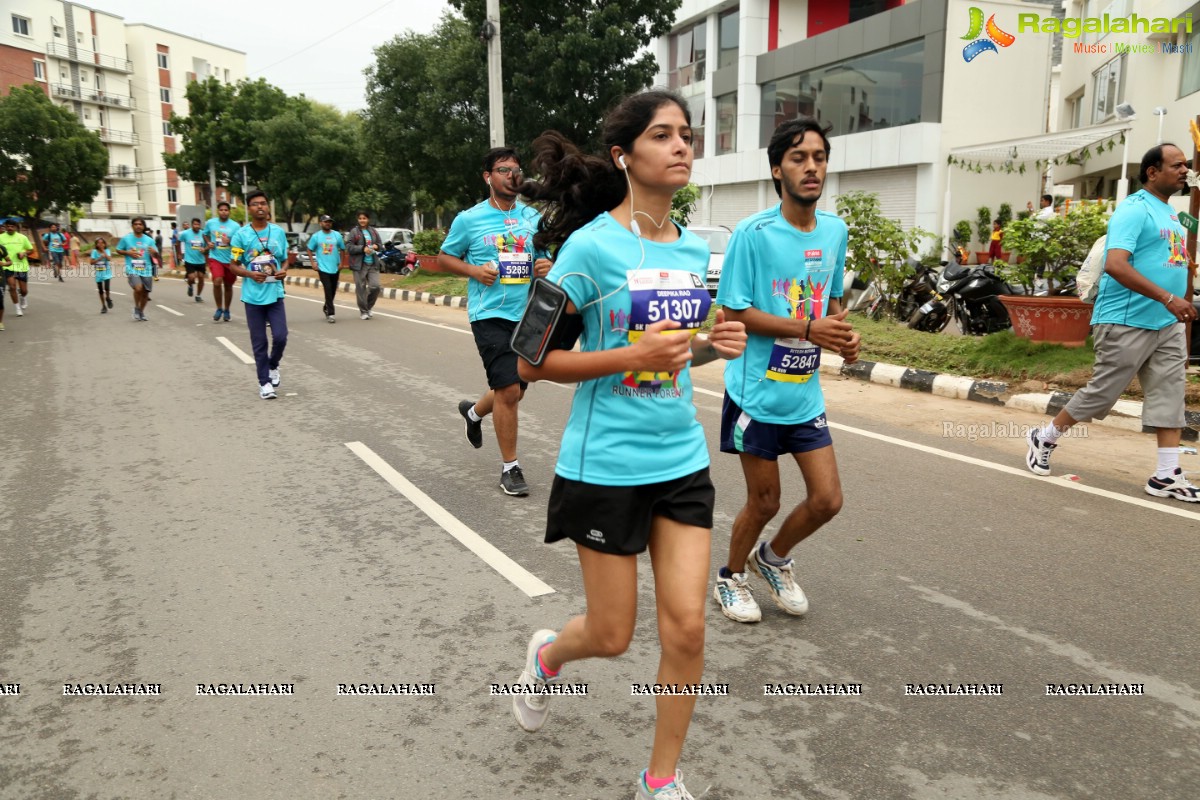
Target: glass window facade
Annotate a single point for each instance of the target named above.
(877, 90)
(727, 123)
(728, 30)
(1189, 80)
(696, 108)
(688, 52)
(1108, 89)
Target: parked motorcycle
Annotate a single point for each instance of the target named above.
(969, 294)
(918, 289)
(393, 259)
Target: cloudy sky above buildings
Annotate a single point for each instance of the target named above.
(316, 48)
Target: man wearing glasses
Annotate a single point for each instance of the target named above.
(491, 245)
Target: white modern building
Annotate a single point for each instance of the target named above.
(111, 76)
(901, 85)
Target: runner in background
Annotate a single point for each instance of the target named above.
(194, 248)
(327, 246)
(16, 274)
(101, 259)
(56, 244)
(140, 257)
(219, 233)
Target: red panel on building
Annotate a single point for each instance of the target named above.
(16, 69)
(825, 15)
(773, 25)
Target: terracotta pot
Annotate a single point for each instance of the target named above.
(1058, 320)
(983, 258)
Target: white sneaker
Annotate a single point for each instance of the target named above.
(20, 313)
(273, 375)
(25, 301)
(370, 315)
(733, 595)
(1176, 486)
(1038, 457)
(364, 316)
(531, 710)
(672, 791)
(266, 392)
(784, 591)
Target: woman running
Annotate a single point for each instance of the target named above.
(632, 471)
(101, 259)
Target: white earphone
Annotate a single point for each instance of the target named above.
(621, 161)
(489, 181)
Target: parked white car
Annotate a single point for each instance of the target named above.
(717, 239)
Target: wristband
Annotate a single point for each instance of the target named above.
(807, 329)
(1167, 302)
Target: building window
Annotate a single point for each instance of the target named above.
(1075, 106)
(87, 113)
(58, 31)
(108, 192)
(83, 76)
(696, 105)
(172, 195)
(878, 90)
(1189, 80)
(164, 94)
(39, 70)
(727, 39)
(227, 76)
(688, 49)
(727, 123)
(167, 129)
(163, 63)
(78, 37)
(20, 25)
(1108, 89)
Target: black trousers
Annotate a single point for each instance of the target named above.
(329, 281)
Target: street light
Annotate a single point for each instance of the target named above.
(1160, 112)
(1125, 113)
(245, 180)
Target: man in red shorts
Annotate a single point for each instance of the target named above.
(217, 233)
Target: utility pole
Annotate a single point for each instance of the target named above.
(491, 34)
(212, 188)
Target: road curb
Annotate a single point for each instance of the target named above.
(1126, 414)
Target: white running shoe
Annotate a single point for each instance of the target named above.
(25, 301)
(531, 710)
(733, 595)
(672, 791)
(20, 313)
(364, 316)
(1038, 457)
(273, 376)
(1176, 486)
(784, 591)
(267, 392)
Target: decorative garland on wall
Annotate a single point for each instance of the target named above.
(1078, 158)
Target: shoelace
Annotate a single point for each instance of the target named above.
(739, 593)
(678, 791)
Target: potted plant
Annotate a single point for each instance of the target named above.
(961, 237)
(983, 226)
(1004, 216)
(426, 245)
(1055, 246)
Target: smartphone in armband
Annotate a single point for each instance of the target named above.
(532, 336)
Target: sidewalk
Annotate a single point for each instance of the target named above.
(1126, 415)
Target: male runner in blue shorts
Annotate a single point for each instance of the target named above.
(782, 278)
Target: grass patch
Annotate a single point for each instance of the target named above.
(419, 281)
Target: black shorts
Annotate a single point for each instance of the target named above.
(492, 338)
(190, 268)
(22, 277)
(617, 519)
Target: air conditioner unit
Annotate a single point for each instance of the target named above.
(123, 171)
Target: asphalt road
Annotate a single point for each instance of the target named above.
(162, 525)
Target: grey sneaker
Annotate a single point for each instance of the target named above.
(784, 590)
(672, 791)
(1038, 457)
(474, 429)
(733, 595)
(531, 710)
(266, 392)
(273, 376)
(513, 482)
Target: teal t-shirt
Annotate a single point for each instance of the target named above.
(55, 242)
(328, 249)
(1149, 229)
(252, 244)
(483, 234)
(193, 247)
(102, 264)
(773, 267)
(140, 265)
(633, 428)
(220, 234)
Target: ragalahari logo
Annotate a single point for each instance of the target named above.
(978, 45)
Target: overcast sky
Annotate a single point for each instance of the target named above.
(315, 47)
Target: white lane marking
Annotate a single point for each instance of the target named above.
(354, 311)
(168, 310)
(120, 293)
(237, 351)
(509, 569)
(1062, 482)
(1183, 698)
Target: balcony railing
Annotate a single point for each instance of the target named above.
(117, 137)
(58, 50)
(105, 207)
(89, 95)
(122, 172)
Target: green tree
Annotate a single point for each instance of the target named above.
(878, 247)
(48, 160)
(309, 156)
(427, 94)
(683, 203)
(218, 129)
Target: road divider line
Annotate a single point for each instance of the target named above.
(237, 351)
(354, 310)
(524, 580)
(1014, 471)
(168, 310)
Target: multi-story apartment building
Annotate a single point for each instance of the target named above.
(896, 83)
(111, 76)
(1155, 72)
